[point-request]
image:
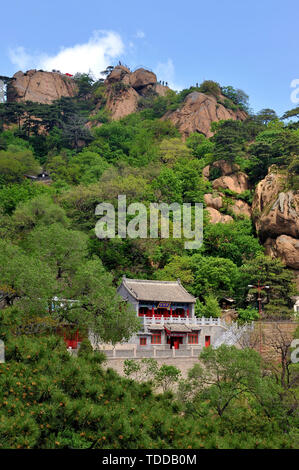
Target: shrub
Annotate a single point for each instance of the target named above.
(210, 87)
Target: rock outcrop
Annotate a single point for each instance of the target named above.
(142, 81)
(284, 247)
(125, 88)
(117, 74)
(40, 87)
(276, 217)
(216, 216)
(198, 111)
(237, 182)
(232, 179)
(122, 104)
(276, 212)
(240, 207)
(213, 201)
(225, 168)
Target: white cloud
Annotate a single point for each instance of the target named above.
(93, 56)
(165, 72)
(20, 58)
(140, 34)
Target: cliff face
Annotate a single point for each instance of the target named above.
(124, 89)
(41, 87)
(199, 111)
(276, 217)
(231, 178)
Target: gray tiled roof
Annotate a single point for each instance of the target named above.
(156, 327)
(163, 291)
(177, 328)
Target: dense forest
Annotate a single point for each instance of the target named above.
(48, 249)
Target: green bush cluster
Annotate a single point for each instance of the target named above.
(50, 399)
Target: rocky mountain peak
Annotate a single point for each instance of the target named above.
(199, 110)
(39, 86)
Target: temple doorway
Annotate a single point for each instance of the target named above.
(175, 341)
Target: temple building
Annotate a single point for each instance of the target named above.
(167, 315)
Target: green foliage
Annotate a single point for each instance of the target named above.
(275, 145)
(132, 139)
(200, 145)
(84, 167)
(84, 83)
(247, 315)
(234, 385)
(13, 194)
(293, 173)
(272, 272)
(57, 401)
(169, 186)
(60, 254)
(9, 138)
(48, 249)
(210, 87)
(85, 348)
(210, 307)
(15, 162)
(202, 274)
(291, 113)
(229, 140)
(74, 131)
(131, 368)
(234, 241)
(237, 96)
(52, 400)
(164, 377)
(167, 376)
(267, 115)
(101, 116)
(38, 211)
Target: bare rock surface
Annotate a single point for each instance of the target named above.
(241, 208)
(276, 216)
(122, 104)
(213, 201)
(276, 212)
(216, 216)
(40, 87)
(284, 247)
(197, 113)
(237, 182)
(125, 88)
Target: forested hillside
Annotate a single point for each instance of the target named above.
(130, 134)
(245, 174)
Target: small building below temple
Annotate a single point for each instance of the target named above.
(167, 315)
(42, 177)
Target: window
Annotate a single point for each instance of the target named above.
(143, 311)
(207, 341)
(179, 311)
(156, 338)
(193, 338)
(142, 341)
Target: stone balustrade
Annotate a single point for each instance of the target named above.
(198, 321)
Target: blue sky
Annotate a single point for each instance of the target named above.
(249, 44)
